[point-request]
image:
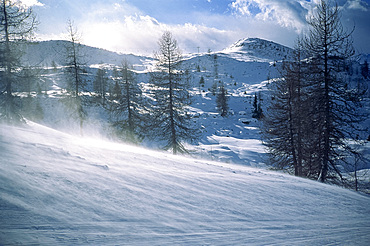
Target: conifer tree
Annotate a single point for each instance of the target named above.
(171, 117)
(100, 84)
(257, 108)
(331, 48)
(127, 105)
(116, 91)
(222, 101)
(287, 118)
(315, 108)
(365, 69)
(75, 76)
(201, 82)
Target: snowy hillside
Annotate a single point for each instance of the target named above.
(259, 50)
(57, 189)
(246, 68)
(46, 53)
(242, 78)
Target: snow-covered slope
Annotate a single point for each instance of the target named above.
(57, 189)
(46, 53)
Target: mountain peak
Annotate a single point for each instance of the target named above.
(260, 48)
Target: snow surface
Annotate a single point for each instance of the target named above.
(58, 189)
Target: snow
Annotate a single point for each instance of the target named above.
(59, 189)
(256, 49)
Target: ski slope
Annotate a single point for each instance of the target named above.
(58, 189)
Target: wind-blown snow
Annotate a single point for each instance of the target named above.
(57, 189)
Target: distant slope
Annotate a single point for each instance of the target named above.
(56, 189)
(46, 52)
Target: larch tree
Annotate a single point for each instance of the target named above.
(100, 84)
(314, 115)
(330, 47)
(75, 76)
(171, 114)
(126, 105)
(222, 100)
(287, 126)
(17, 24)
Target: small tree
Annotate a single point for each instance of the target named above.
(365, 69)
(257, 107)
(100, 84)
(171, 116)
(222, 101)
(116, 92)
(201, 82)
(215, 65)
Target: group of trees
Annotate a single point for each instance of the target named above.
(315, 111)
(16, 26)
(162, 114)
(169, 117)
(307, 128)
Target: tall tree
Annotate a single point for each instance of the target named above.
(331, 48)
(75, 75)
(172, 97)
(126, 105)
(17, 24)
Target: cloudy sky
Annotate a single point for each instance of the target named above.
(136, 25)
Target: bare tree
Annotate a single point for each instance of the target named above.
(127, 105)
(331, 48)
(288, 126)
(17, 24)
(75, 75)
(172, 97)
(100, 84)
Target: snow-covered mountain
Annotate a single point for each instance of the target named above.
(58, 189)
(259, 49)
(246, 68)
(46, 53)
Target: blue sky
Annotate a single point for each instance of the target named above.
(136, 25)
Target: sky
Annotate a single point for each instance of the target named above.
(135, 26)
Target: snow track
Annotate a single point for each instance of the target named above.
(57, 189)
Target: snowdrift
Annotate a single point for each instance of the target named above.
(58, 189)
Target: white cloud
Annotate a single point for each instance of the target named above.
(287, 13)
(140, 34)
(30, 3)
(357, 5)
(119, 26)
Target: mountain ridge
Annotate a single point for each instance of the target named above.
(47, 53)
